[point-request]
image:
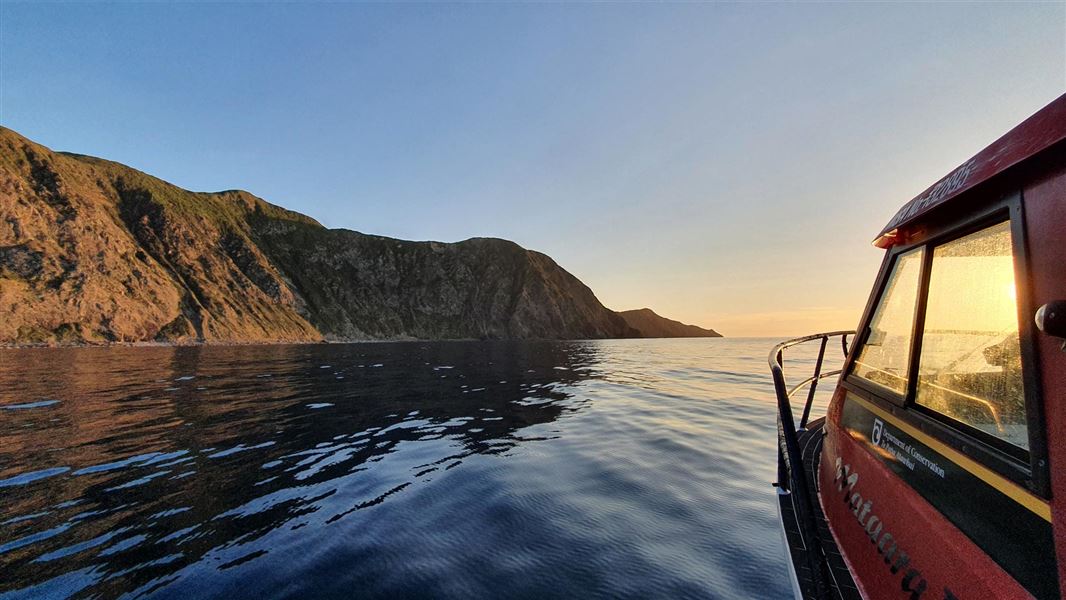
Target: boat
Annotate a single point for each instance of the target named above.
(938, 470)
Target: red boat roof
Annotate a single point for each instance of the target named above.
(1037, 133)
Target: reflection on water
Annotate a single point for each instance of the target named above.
(432, 469)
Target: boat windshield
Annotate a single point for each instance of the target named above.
(885, 355)
(970, 367)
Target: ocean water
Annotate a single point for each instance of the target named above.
(597, 469)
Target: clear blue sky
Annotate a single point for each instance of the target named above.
(725, 164)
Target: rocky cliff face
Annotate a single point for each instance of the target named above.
(650, 325)
(92, 251)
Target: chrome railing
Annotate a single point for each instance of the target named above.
(791, 478)
(777, 363)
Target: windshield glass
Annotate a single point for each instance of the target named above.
(885, 355)
(970, 366)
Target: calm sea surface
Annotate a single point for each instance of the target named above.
(629, 468)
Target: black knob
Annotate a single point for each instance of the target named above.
(1051, 318)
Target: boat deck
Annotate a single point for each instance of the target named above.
(836, 574)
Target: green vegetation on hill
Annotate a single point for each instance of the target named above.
(92, 251)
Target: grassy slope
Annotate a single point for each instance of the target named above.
(92, 251)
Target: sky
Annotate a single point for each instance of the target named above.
(724, 164)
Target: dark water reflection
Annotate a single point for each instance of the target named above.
(442, 469)
(163, 455)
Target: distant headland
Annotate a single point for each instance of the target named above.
(95, 252)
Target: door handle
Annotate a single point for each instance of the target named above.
(1051, 319)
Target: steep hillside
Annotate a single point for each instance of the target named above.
(92, 251)
(651, 325)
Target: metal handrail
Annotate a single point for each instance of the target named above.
(777, 367)
(790, 475)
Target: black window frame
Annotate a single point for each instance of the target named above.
(1027, 468)
(871, 387)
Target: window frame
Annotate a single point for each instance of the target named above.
(891, 262)
(1027, 468)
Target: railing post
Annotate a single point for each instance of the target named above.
(790, 464)
(783, 476)
(814, 384)
(791, 476)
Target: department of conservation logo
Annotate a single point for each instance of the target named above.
(875, 437)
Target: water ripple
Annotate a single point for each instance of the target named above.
(630, 468)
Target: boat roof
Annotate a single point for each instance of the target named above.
(1033, 135)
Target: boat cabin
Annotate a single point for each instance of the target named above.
(939, 470)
